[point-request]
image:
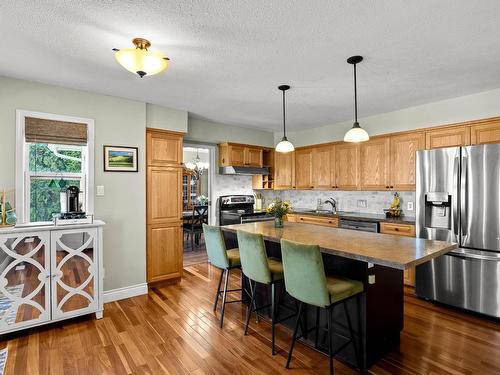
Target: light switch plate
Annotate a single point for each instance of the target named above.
(100, 190)
(410, 206)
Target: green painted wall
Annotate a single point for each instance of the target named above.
(464, 108)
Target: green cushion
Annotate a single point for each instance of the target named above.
(254, 262)
(234, 257)
(216, 247)
(341, 288)
(276, 268)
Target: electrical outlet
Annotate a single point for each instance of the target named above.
(371, 279)
(410, 206)
(362, 203)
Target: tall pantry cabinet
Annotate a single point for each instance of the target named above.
(164, 239)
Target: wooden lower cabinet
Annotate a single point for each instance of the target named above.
(164, 244)
(318, 220)
(407, 230)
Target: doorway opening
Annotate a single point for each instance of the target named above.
(197, 177)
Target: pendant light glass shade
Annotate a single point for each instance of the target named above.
(356, 133)
(284, 145)
(141, 61)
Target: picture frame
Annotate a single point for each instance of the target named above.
(120, 158)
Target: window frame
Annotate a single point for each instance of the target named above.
(22, 168)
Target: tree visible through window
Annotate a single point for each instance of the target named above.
(51, 169)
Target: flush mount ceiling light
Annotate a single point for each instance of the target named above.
(356, 133)
(284, 145)
(140, 60)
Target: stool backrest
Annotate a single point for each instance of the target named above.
(253, 257)
(216, 247)
(305, 277)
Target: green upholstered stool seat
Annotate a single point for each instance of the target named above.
(233, 255)
(276, 268)
(340, 288)
(258, 268)
(306, 281)
(222, 258)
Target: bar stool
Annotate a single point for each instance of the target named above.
(305, 280)
(223, 259)
(257, 267)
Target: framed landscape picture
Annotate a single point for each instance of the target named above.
(120, 159)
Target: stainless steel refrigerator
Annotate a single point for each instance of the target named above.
(458, 200)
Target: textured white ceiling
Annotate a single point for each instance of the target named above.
(229, 56)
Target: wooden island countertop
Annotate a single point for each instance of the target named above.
(382, 249)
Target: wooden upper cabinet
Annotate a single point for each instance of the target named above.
(487, 131)
(403, 159)
(253, 156)
(164, 194)
(163, 148)
(303, 169)
(322, 167)
(347, 166)
(237, 155)
(284, 170)
(447, 137)
(375, 164)
(232, 154)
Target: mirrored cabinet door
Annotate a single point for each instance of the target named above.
(74, 272)
(24, 280)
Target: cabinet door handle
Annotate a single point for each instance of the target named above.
(387, 187)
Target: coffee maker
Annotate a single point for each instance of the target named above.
(70, 204)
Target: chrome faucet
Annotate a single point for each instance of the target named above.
(333, 202)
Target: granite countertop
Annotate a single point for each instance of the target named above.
(383, 249)
(357, 216)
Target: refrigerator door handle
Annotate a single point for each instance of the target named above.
(466, 255)
(463, 197)
(455, 198)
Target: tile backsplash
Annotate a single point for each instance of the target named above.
(352, 201)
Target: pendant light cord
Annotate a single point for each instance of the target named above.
(355, 96)
(284, 115)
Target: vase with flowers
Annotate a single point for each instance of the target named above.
(279, 208)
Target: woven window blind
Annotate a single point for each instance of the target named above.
(39, 130)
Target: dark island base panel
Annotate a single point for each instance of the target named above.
(381, 308)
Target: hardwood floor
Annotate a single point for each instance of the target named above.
(173, 330)
(199, 255)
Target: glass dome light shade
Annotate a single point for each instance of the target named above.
(284, 146)
(141, 61)
(356, 134)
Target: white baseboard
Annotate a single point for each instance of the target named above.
(126, 292)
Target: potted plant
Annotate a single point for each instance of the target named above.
(278, 209)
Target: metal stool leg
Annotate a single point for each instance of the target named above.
(294, 337)
(251, 306)
(351, 332)
(316, 331)
(273, 313)
(218, 290)
(330, 338)
(224, 298)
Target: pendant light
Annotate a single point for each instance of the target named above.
(356, 133)
(140, 60)
(284, 145)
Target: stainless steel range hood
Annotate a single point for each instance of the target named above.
(248, 171)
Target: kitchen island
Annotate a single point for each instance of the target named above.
(377, 260)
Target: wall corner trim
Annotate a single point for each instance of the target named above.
(125, 292)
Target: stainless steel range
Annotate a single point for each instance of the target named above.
(458, 199)
(239, 209)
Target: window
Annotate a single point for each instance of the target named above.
(54, 152)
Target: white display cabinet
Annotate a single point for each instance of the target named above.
(49, 273)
